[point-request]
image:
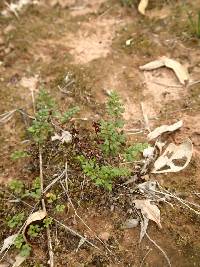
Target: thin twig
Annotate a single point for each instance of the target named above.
(51, 255)
(161, 250)
(145, 257)
(54, 181)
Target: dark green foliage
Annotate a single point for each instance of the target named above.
(111, 129)
(66, 116)
(19, 154)
(132, 152)
(101, 175)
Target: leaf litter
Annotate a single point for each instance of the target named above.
(142, 6)
(180, 71)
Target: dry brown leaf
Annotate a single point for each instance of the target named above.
(164, 128)
(142, 6)
(180, 71)
(148, 210)
(165, 163)
(19, 260)
(36, 216)
(8, 242)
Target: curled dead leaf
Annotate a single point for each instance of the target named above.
(148, 210)
(36, 216)
(8, 242)
(180, 71)
(142, 6)
(163, 129)
(166, 162)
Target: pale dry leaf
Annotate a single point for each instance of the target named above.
(149, 210)
(19, 260)
(148, 152)
(142, 6)
(166, 162)
(163, 129)
(36, 216)
(8, 242)
(66, 137)
(144, 225)
(180, 71)
(130, 223)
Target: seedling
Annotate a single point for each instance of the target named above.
(51, 197)
(16, 186)
(19, 155)
(47, 222)
(60, 208)
(20, 244)
(69, 114)
(34, 230)
(132, 152)
(195, 24)
(16, 220)
(111, 130)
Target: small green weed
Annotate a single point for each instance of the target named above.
(19, 155)
(51, 197)
(132, 152)
(101, 175)
(47, 222)
(16, 220)
(128, 3)
(35, 190)
(195, 24)
(66, 116)
(111, 130)
(34, 230)
(60, 208)
(19, 243)
(16, 186)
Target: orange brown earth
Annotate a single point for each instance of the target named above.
(88, 40)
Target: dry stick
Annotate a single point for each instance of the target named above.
(163, 252)
(75, 233)
(145, 257)
(70, 201)
(51, 255)
(54, 181)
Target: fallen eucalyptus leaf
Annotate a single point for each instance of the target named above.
(163, 129)
(142, 6)
(19, 260)
(148, 210)
(36, 216)
(130, 223)
(66, 137)
(180, 71)
(8, 242)
(174, 152)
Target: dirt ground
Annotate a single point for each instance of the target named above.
(87, 39)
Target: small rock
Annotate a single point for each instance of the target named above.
(104, 236)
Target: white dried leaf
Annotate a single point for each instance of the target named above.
(66, 137)
(148, 152)
(180, 71)
(148, 210)
(19, 260)
(144, 225)
(130, 223)
(36, 216)
(148, 186)
(8, 242)
(160, 145)
(174, 152)
(142, 6)
(163, 129)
